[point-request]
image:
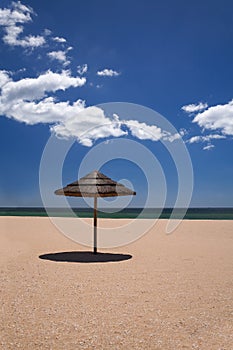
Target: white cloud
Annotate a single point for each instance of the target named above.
(29, 100)
(12, 20)
(208, 147)
(108, 73)
(59, 56)
(219, 117)
(90, 124)
(59, 39)
(169, 137)
(11, 38)
(195, 139)
(192, 108)
(30, 89)
(26, 101)
(206, 138)
(32, 100)
(18, 13)
(19, 6)
(4, 78)
(144, 131)
(82, 69)
(46, 111)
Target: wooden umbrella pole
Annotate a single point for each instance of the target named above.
(95, 225)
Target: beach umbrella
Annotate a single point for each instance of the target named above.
(95, 184)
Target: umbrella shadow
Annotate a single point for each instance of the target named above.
(85, 257)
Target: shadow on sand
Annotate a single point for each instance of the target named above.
(85, 257)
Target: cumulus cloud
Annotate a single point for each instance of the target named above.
(17, 13)
(26, 101)
(90, 124)
(108, 73)
(219, 117)
(59, 39)
(32, 100)
(59, 56)
(192, 108)
(12, 20)
(29, 89)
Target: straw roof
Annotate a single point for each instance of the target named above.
(95, 184)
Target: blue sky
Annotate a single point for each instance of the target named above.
(174, 57)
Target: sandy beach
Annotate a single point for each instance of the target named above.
(160, 292)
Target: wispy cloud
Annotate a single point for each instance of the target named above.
(12, 20)
(143, 131)
(192, 108)
(47, 32)
(206, 138)
(82, 69)
(59, 56)
(108, 73)
(208, 147)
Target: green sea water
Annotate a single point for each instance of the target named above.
(152, 213)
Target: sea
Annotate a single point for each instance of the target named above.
(126, 213)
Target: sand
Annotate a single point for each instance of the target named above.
(174, 293)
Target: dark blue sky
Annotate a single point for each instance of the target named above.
(165, 55)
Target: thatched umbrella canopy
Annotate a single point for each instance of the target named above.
(95, 184)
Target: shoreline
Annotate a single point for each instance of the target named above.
(116, 218)
(127, 213)
(113, 218)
